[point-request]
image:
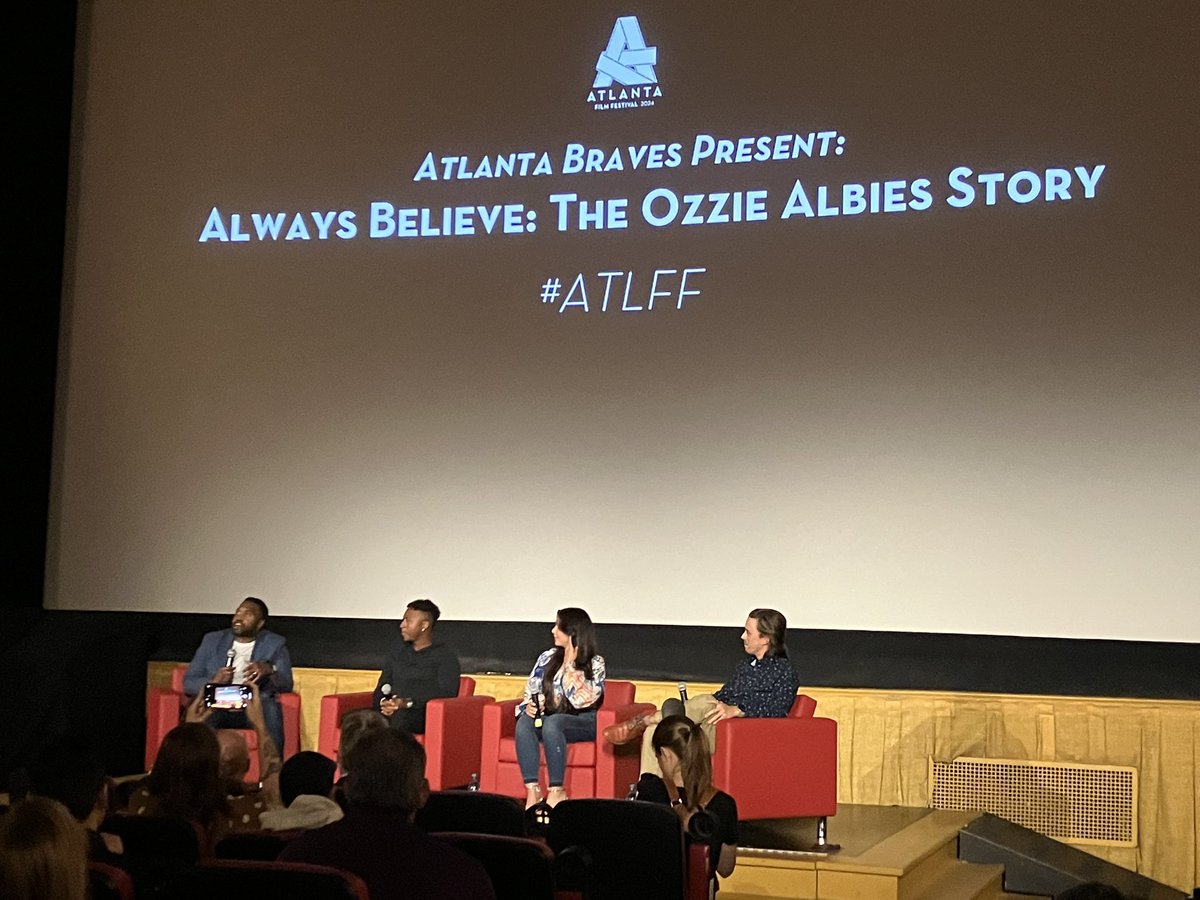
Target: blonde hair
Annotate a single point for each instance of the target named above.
(43, 852)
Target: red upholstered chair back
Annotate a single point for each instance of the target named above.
(618, 693)
(594, 768)
(244, 878)
(109, 883)
(804, 707)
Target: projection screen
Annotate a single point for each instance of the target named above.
(885, 315)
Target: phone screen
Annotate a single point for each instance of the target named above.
(226, 696)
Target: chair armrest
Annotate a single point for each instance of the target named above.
(164, 710)
(606, 716)
(499, 722)
(778, 768)
(289, 705)
(333, 707)
(697, 870)
(453, 735)
(617, 767)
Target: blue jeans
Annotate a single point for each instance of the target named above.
(558, 730)
(235, 718)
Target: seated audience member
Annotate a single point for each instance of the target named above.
(305, 783)
(356, 724)
(185, 781)
(762, 686)
(245, 653)
(562, 694)
(247, 802)
(43, 852)
(707, 814)
(419, 670)
(67, 769)
(377, 839)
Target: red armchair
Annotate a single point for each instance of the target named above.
(451, 738)
(164, 710)
(594, 768)
(779, 768)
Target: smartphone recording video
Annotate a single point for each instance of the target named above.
(226, 696)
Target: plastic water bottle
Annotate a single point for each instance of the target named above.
(632, 795)
(474, 785)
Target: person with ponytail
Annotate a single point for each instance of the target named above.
(707, 814)
(562, 694)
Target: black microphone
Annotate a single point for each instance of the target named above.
(683, 692)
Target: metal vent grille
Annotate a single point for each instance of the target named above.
(1078, 804)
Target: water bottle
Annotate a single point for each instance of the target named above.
(632, 795)
(474, 785)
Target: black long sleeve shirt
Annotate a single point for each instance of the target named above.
(420, 676)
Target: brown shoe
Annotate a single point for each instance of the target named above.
(624, 732)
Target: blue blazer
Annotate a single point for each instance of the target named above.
(214, 652)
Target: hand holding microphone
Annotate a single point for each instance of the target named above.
(225, 675)
(389, 702)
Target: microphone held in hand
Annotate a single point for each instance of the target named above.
(683, 692)
(386, 691)
(229, 657)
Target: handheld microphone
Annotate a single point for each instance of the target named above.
(229, 657)
(683, 692)
(386, 690)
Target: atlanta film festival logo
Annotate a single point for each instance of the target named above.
(625, 77)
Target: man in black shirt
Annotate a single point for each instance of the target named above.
(417, 672)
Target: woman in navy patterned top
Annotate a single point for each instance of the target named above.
(762, 686)
(562, 694)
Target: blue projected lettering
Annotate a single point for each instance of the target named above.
(1024, 186)
(660, 207)
(267, 226)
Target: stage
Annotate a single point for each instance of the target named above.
(887, 853)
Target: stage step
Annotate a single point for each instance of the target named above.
(888, 854)
(907, 865)
(966, 881)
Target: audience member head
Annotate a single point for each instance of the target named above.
(681, 748)
(419, 619)
(68, 769)
(235, 756)
(356, 724)
(43, 852)
(387, 770)
(1091, 890)
(186, 777)
(308, 772)
(770, 625)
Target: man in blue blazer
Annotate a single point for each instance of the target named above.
(245, 653)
